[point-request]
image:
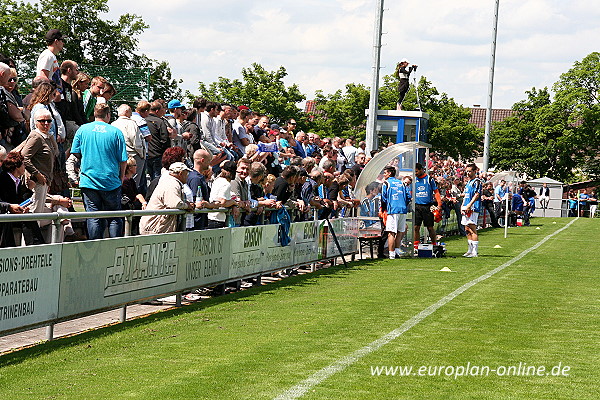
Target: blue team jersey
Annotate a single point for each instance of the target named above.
(473, 187)
(517, 202)
(425, 187)
(396, 196)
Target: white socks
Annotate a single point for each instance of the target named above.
(473, 246)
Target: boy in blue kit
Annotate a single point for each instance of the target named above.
(470, 209)
(395, 197)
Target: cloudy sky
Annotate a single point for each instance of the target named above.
(325, 44)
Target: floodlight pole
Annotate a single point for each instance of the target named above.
(374, 98)
(488, 112)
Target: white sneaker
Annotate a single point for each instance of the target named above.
(392, 255)
(467, 254)
(472, 255)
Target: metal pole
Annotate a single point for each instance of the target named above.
(56, 238)
(488, 112)
(128, 224)
(56, 230)
(506, 212)
(374, 99)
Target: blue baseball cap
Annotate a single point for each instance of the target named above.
(175, 104)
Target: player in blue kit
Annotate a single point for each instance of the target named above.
(470, 209)
(426, 197)
(395, 197)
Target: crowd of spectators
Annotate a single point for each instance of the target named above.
(165, 155)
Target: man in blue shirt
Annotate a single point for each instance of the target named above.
(103, 154)
(395, 197)
(426, 197)
(471, 206)
(500, 191)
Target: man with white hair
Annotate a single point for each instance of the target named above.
(4, 74)
(134, 140)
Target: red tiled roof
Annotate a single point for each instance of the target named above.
(498, 114)
(310, 107)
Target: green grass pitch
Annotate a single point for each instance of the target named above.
(543, 310)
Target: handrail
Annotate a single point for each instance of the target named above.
(109, 214)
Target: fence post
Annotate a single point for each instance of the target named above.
(56, 238)
(56, 228)
(128, 224)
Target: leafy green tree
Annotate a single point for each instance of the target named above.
(92, 40)
(560, 138)
(578, 96)
(536, 140)
(341, 113)
(261, 90)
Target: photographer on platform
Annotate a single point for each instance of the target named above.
(403, 70)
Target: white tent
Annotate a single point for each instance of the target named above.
(556, 202)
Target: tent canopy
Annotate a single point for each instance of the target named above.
(508, 176)
(546, 180)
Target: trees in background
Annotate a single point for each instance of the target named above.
(92, 41)
(558, 138)
(450, 133)
(261, 90)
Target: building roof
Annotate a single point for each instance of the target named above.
(498, 114)
(310, 106)
(547, 180)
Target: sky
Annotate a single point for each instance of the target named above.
(326, 44)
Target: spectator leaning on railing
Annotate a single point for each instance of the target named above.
(168, 194)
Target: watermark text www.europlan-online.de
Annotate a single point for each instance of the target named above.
(458, 371)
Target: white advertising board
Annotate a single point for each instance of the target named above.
(276, 255)
(208, 258)
(29, 283)
(247, 250)
(104, 273)
(305, 236)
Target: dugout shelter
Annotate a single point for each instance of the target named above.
(402, 156)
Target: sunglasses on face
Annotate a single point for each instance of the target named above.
(44, 121)
(13, 79)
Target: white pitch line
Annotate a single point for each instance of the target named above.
(315, 379)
